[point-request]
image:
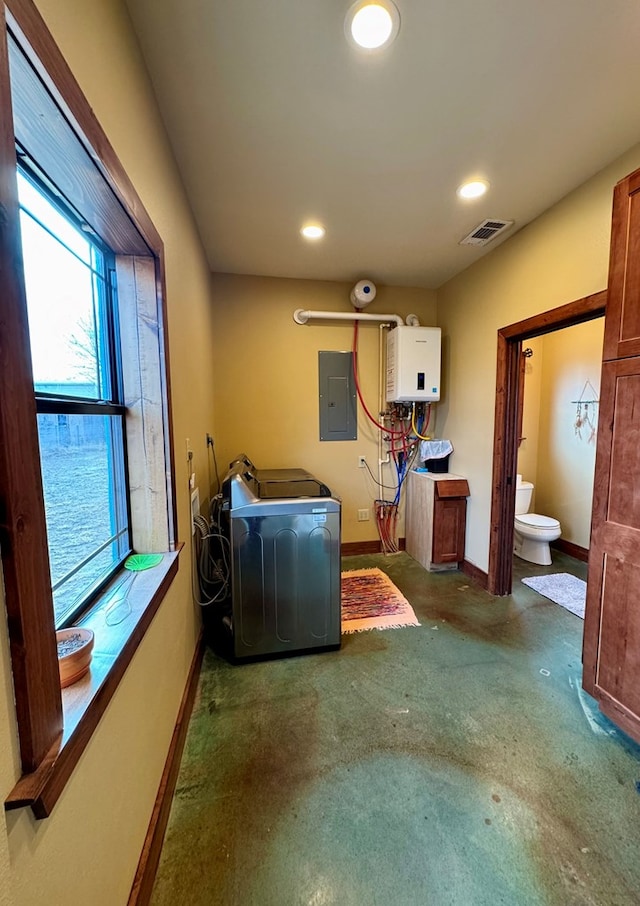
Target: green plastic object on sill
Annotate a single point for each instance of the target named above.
(136, 562)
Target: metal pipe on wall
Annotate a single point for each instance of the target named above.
(302, 315)
(382, 403)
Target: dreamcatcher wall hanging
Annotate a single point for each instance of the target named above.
(586, 419)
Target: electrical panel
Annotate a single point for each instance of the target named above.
(413, 364)
(337, 396)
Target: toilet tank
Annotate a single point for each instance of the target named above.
(524, 490)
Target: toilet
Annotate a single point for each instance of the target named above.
(532, 533)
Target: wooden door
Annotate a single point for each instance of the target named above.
(611, 650)
(622, 321)
(612, 625)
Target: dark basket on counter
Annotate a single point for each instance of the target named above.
(437, 465)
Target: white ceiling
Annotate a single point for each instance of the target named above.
(276, 119)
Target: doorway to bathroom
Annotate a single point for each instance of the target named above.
(508, 436)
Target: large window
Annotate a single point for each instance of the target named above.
(86, 472)
(70, 290)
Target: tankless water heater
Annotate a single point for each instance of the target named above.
(413, 364)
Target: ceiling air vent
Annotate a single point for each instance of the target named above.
(486, 231)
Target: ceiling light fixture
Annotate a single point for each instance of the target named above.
(372, 25)
(313, 231)
(473, 189)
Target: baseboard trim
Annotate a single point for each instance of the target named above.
(150, 856)
(474, 572)
(573, 550)
(352, 548)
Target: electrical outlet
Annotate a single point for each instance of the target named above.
(362, 463)
(363, 515)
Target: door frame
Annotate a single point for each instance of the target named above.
(509, 394)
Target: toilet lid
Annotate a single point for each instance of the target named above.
(544, 522)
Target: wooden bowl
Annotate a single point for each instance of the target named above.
(75, 646)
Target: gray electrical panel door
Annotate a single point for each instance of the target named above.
(337, 402)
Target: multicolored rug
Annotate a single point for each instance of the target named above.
(370, 600)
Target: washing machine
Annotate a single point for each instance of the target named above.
(284, 534)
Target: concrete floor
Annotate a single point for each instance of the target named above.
(430, 766)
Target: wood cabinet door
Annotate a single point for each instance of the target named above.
(611, 650)
(622, 323)
(449, 519)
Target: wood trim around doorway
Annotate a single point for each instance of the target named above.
(505, 441)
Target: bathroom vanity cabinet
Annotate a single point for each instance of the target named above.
(436, 519)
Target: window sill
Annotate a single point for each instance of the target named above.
(85, 702)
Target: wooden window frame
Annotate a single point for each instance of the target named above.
(49, 752)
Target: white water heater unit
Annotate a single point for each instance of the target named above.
(413, 365)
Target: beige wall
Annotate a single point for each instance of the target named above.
(528, 450)
(87, 851)
(266, 380)
(566, 458)
(561, 256)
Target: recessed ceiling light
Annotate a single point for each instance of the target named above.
(473, 189)
(372, 25)
(313, 231)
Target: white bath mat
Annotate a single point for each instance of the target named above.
(562, 588)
